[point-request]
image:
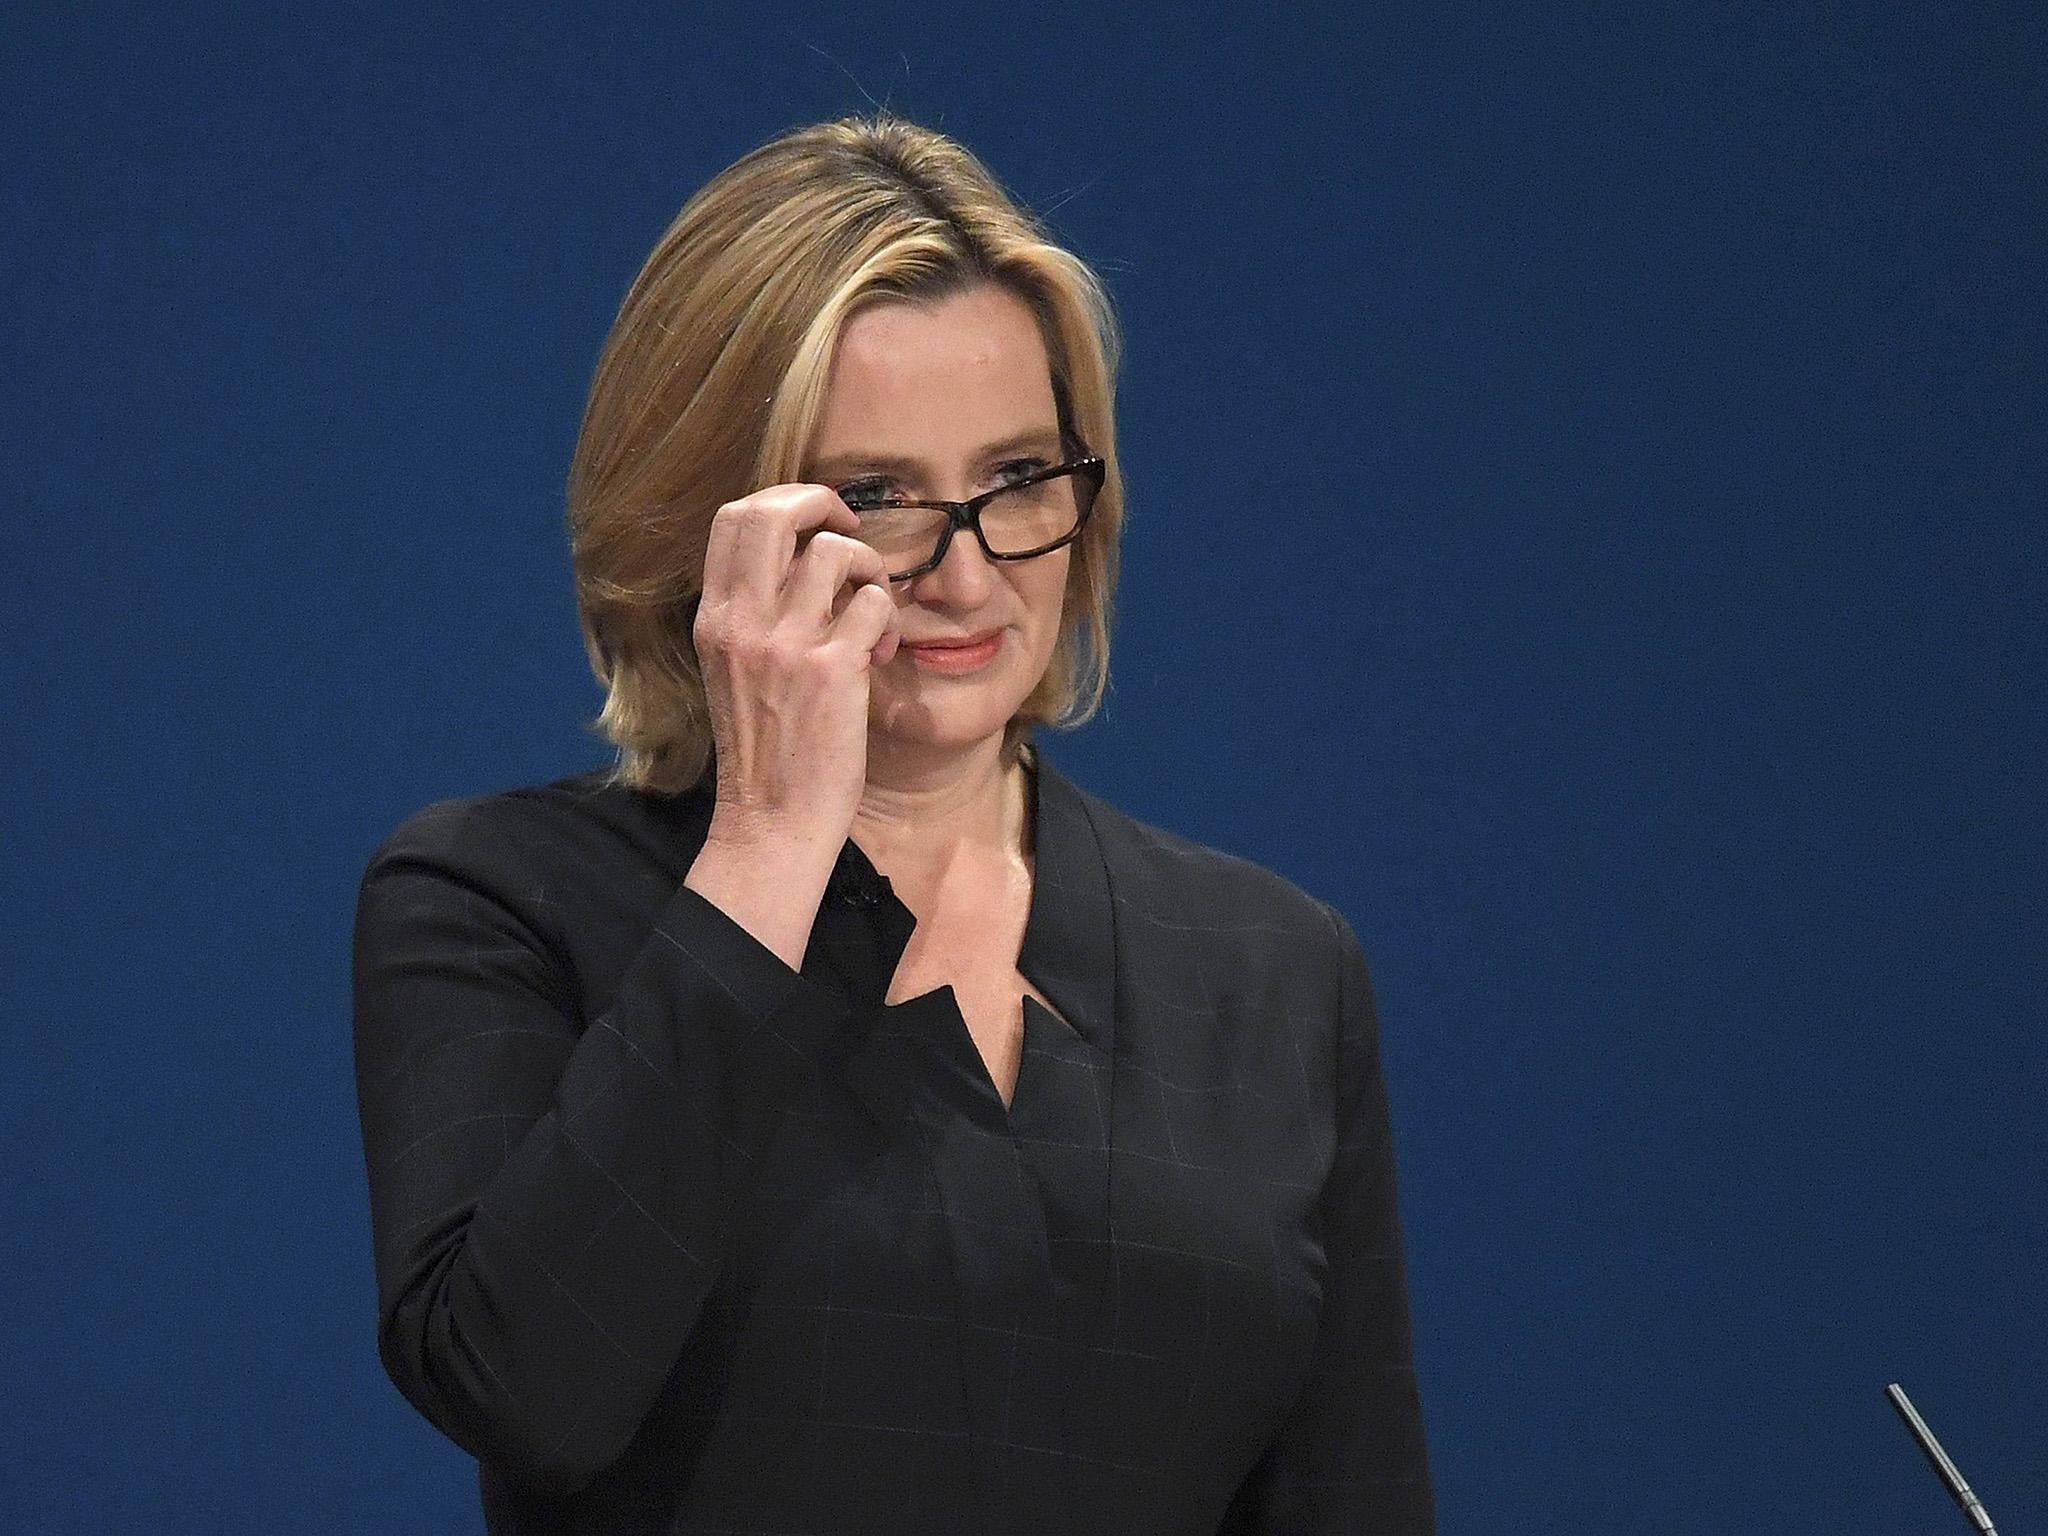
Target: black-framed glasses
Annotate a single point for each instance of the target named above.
(1020, 519)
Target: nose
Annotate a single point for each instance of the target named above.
(963, 580)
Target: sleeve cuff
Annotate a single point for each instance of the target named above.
(784, 1003)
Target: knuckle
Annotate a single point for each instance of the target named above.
(740, 640)
(825, 538)
(768, 505)
(785, 496)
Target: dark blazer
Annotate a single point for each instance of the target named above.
(672, 1237)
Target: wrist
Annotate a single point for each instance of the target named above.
(772, 846)
(770, 887)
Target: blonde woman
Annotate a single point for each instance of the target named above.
(832, 1118)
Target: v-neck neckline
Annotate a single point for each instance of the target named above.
(1069, 945)
(934, 1016)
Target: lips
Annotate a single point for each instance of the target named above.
(955, 658)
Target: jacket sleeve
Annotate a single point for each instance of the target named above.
(1351, 1458)
(549, 1194)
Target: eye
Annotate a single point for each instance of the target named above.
(865, 495)
(1018, 469)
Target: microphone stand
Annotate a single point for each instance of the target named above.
(1959, 1489)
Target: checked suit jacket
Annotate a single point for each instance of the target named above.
(672, 1237)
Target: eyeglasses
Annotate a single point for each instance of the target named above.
(1020, 519)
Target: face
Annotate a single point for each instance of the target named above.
(938, 402)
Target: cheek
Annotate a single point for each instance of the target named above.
(1042, 634)
(1048, 601)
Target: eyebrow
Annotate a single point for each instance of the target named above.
(1042, 438)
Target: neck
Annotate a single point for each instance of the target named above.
(919, 816)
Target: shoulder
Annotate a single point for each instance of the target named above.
(523, 834)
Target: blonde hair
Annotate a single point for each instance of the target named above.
(712, 379)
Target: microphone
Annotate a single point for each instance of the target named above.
(1959, 1489)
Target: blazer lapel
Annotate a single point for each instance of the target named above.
(1070, 948)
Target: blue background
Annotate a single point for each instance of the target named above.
(1587, 494)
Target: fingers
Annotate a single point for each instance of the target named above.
(818, 577)
(753, 540)
(868, 624)
(787, 554)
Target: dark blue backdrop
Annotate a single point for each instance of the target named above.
(1587, 481)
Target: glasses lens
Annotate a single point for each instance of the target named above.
(1025, 518)
(903, 536)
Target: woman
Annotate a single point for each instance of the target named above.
(833, 1119)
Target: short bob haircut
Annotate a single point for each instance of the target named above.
(711, 382)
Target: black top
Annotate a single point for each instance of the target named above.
(672, 1237)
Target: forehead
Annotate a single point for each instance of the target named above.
(936, 379)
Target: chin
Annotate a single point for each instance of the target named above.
(942, 714)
